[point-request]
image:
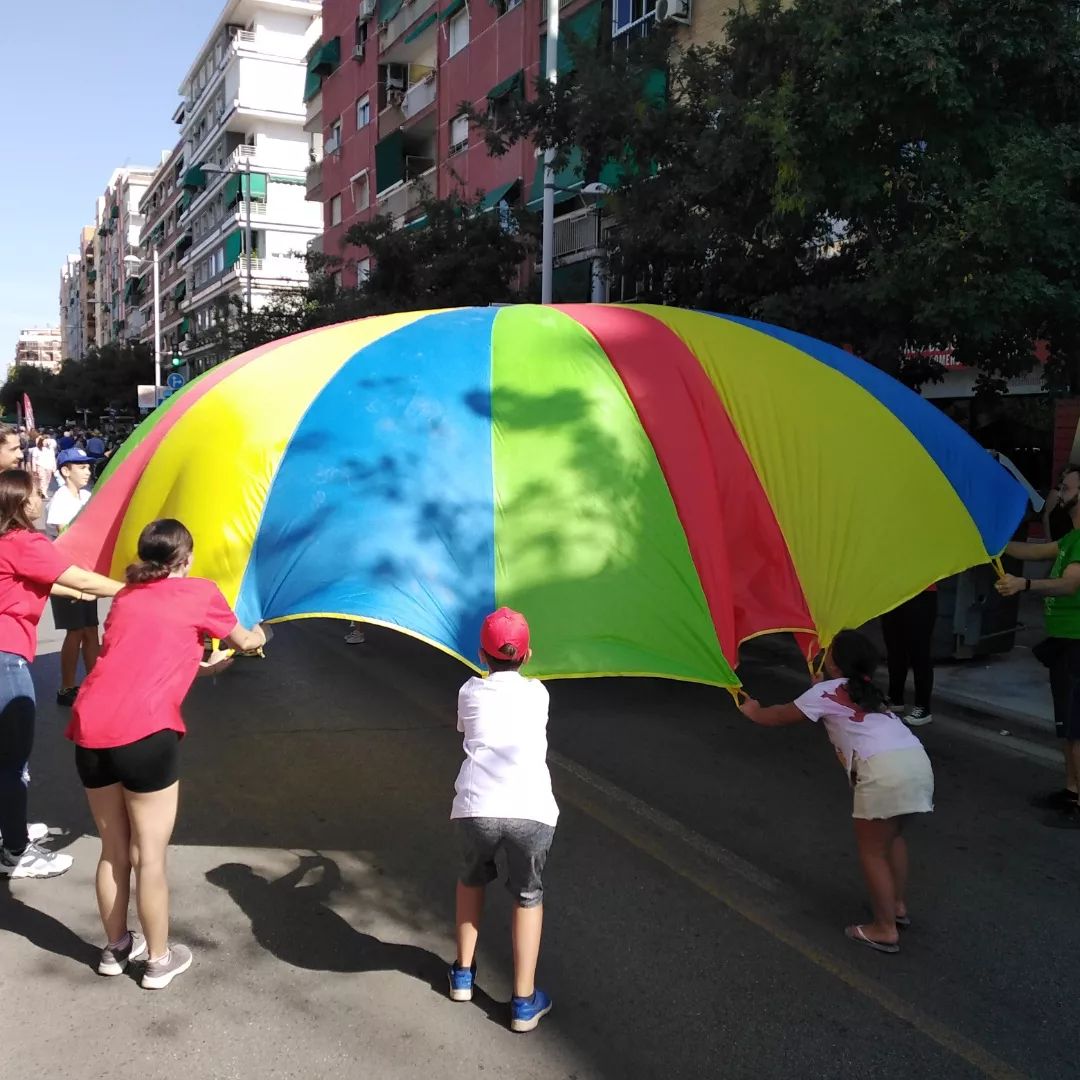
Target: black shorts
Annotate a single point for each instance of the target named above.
(74, 614)
(151, 764)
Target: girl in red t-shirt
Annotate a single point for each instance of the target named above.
(30, 569)
(126, 726)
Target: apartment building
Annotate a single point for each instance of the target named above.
(39, 348)
(88, 245)
(163, 232)
(71, 307)
(117, 234)
(383, 95)
(244, 155)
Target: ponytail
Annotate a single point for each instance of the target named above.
(857, 660)
(164, 547)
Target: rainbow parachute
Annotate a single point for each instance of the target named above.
(651, 486)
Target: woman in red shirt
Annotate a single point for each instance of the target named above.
(126, 726)
(30, 569)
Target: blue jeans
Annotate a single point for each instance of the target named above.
(18, 708)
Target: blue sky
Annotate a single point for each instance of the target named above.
(86, 87)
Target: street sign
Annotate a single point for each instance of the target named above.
(175, 380)
(166, 392)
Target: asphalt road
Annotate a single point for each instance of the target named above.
(702, 873)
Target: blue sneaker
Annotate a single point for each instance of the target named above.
(525, 1013)
(461, 982)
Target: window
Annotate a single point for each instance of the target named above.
(335, 210)
(361, 190)
(336, 278)
(459, 134)
(333, 140)
(363, 111)
(459, 31)
(503, 6)
(363, 271)
(633, 17)
(361, 37)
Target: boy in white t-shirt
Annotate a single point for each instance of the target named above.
(504, 802)
(79, 618)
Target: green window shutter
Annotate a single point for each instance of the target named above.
(583, 27)
(451, 10)
(258, 186)
(312, 85)
(91, 275)
(195, 178)
(498, 194)
(326, 58)
(234, 247)
(114, 212)
(416, 223)
(390, 160)
(184, 243)
(185, 201)
(180, 291)
(232, 190)
(388, 9)
(568, 180)
(185, 326)
(514, 85)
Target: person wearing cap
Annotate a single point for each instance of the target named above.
(78, 618)
(503, 801)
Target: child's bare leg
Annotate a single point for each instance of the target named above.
(898, 862)
(470, 907)
(874, 840)
(91, 648)
(69, 659)
(526, 926)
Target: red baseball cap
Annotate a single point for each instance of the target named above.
(505, 627)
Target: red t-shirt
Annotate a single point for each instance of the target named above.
(29, 567)
(149, 659)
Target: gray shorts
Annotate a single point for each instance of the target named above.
(525, 844)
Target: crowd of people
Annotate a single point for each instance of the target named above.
(127, 724)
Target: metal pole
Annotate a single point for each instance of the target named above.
(247, 237)
(157, 328)
(547, 249)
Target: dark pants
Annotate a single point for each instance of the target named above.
(1065, 686)
(908, 631)
(17, 711)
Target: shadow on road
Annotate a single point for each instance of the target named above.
(290, 919)
(42, 930)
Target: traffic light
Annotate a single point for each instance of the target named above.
(177, 361)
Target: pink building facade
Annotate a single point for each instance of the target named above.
(384, 97)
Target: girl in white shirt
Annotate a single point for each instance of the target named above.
(886, 765)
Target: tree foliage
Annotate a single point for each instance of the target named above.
(873, 172)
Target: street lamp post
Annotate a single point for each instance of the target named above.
(133, 261)
(547, 244)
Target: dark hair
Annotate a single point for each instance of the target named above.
(15, 488)
(857, 660)
(164, 546)
(9, 429)
(507, 662)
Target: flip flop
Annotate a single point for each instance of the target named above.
(856, 934)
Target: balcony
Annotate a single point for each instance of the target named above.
(239, 158)
(408, 14)
(398, 201)
(577, 234)
(313, 114)
(419, 96)
(313, 182)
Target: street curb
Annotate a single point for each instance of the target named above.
(778, 654)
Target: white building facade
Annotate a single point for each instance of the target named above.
(39, 348)
(245, 154)
(72, 321)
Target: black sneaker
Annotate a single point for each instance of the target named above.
(1053, 800)
(66, 696)
(1066, 818)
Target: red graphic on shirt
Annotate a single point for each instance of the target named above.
(840, 697)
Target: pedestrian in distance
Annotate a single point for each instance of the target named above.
(11, 452)
(908, 631)
(77, 618)
(43, 465)
(30, 569)
(1060, 652)
(127, 727)
(503, 802)
(886, 765)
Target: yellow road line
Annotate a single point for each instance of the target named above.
(724, 876)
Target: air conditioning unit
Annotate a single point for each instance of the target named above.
(673, 11)
(367, 9)
(358, 52)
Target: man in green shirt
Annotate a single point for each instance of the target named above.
(1061, 652)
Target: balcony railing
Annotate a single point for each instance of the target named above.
(398, 201)
(238, 159)
(577, 234)
(410, 11)
(313, 179)
(419, 96)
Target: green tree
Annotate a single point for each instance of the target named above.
(873, 172)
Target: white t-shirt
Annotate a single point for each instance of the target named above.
(504, 774)
(852, 731)
(63, 507)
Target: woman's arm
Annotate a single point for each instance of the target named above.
(78, 580)
(246, 640)
(771, 715)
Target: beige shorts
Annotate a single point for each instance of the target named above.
(892, 784)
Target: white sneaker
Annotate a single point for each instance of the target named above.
(38, 831)
(34, 862)
(355, 636)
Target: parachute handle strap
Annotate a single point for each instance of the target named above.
(998, 566)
